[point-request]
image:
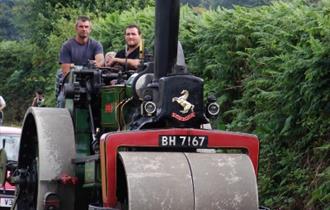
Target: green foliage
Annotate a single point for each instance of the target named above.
(272, 67)
(7, 30)
(16, 65)
(224, 3)
(36, 18)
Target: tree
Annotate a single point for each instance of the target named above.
(7, 29)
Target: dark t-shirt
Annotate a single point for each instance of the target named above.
(78, 54)
(132, 55)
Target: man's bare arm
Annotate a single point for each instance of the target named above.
(2, 104)
(34, 102)
(132, 63)
(99, 60)
(66, 68)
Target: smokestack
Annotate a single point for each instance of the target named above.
(166, 36)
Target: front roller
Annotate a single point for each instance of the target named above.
(190, 181)
(223, 181)
(46, 150)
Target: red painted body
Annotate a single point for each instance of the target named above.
(110, 143)
(7, 186)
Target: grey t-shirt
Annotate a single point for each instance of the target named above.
(73, 52)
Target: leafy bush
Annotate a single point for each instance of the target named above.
(273, 80)
(16, 64)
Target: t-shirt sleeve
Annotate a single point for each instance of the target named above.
(120, 54)
(65, 55)
(98, 48)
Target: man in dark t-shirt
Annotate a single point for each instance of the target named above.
(130, 57)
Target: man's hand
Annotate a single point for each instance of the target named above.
(99, 60)
(110, 61)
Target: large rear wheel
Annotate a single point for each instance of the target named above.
(46, 150)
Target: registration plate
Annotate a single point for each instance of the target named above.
(6, 202)
(183, 141)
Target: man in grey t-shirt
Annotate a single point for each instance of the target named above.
(80, 50)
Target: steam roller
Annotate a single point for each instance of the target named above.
(144, 143)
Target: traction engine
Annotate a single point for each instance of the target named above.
(142, 144)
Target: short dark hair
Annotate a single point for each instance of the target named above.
(82, 18)
(133, 26)
(39, 91)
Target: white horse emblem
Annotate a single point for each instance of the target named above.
(182, 101)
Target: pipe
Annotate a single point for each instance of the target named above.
(166, 36)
